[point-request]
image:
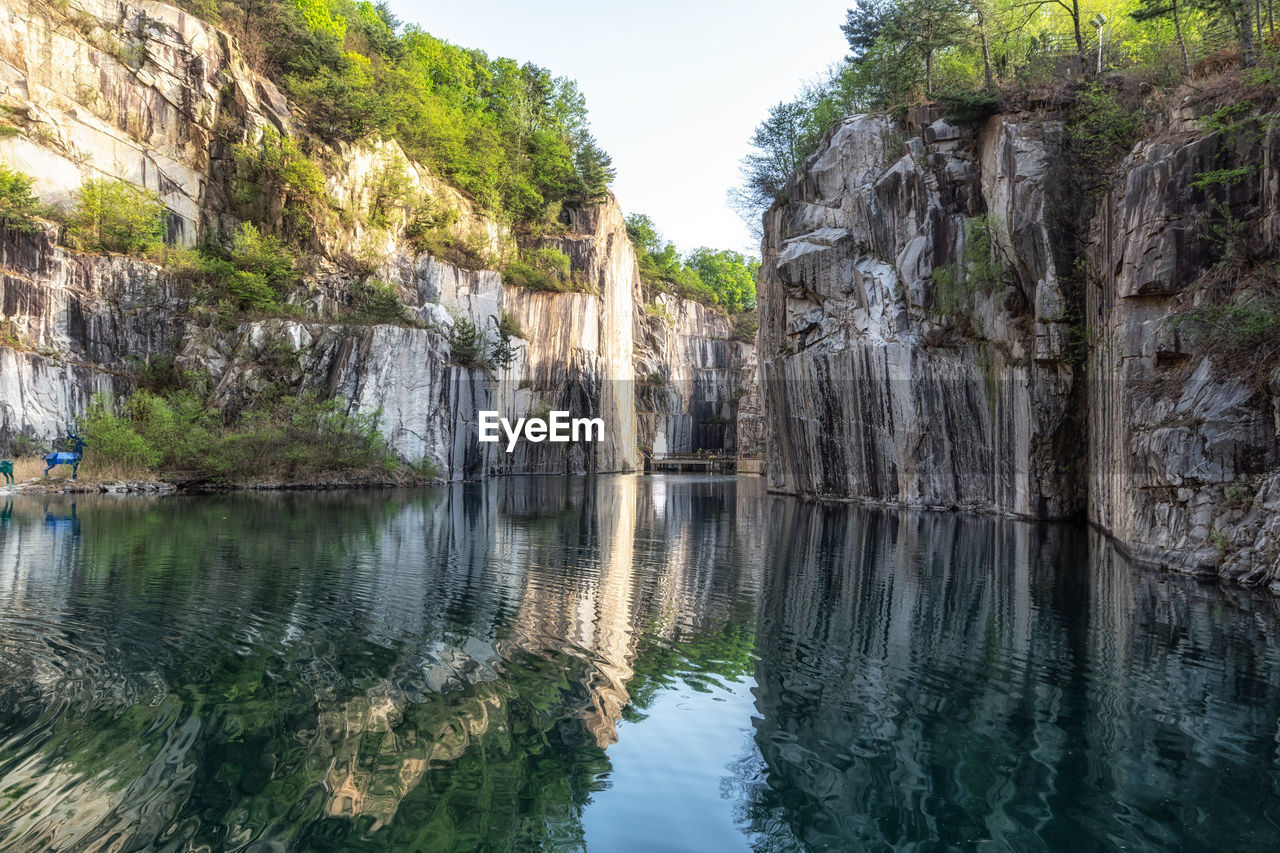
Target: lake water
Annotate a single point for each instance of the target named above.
(615, 663)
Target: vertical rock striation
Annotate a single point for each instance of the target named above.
(1183, 455)
(935, 298)
(689, 376)
(877, 383)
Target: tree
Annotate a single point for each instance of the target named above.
(595, 169)
(779, 150)
(1072, 8)
(926, 27)
(17, 204)
(116, 216)
(863, 25)
(643, 233)
(730, 276)
(1148, 10)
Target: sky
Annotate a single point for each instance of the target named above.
(674, 89)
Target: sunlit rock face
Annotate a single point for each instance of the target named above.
(883, 382)
(575, 355)
(874, 387)
(1184, 462)
(145, 93)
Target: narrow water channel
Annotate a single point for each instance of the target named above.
(615, 663)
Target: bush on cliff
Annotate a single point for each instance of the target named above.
(254, 273)
(473, 347)
(18, 207)
(968, 58)
(116, 216)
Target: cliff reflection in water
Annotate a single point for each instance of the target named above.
(447, 669)
(930, 681)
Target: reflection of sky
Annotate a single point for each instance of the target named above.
(672, 781)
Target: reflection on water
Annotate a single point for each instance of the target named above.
(551, 663)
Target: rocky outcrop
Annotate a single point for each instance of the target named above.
(689, 376)
(145, 93)
(1183, 454)
(77, 326)
(914, 344)
(940, 327)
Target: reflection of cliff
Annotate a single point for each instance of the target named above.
(440, 669)
(930, 681)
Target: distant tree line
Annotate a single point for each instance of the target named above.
(724, 278)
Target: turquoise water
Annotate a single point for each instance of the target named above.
(615, 663)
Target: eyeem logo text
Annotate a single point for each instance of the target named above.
(557, 427)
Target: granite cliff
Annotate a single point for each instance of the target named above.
(956, 317)
(145, 93)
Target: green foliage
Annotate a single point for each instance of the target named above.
(730, 276)
(968, 106)
(476, 348)
(389, 191)
(287, 438)
(1223, 177)
(1101, 131)
(255, 273)
(643, 233)
(378, 302)
(279, 186)
(427, 230)
(657, 309)
(513, 136)
(114, 439)
(745, 326)
(546, 269)
(18, 207)
(971, 56)
(509, 326)
(725, 278)
(982, 268)
(429, 215)
(1243, 334)
(115, 216)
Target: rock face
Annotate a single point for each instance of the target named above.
(145, 93)
(902, 362)
(689, 376)
(879, 384)
(1183, 454)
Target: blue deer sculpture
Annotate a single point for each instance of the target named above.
(72, 458)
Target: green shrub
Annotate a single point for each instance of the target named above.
(657, 309)
(545, 269)
(389, 190)
(473, 347)
(1101, 131)
(745, 326)
(254, 274)
(377, 302)
(116, 216)
(275, 172)
(1246, 332)
(288, 438)
(113, 440)
(509, 327)
(982, 268)
(968, 106)
(18, 207)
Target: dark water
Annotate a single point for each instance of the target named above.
(617, 664)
